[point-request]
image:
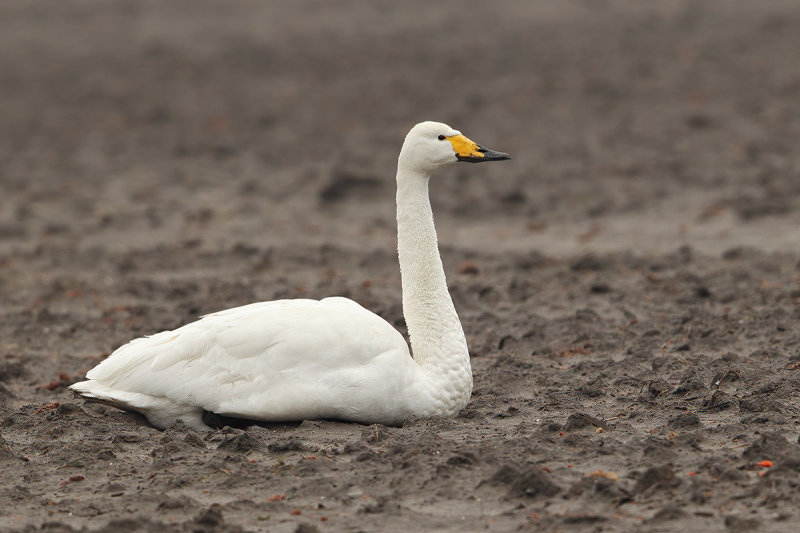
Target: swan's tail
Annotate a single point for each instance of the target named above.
(95, 390)
(161, 412)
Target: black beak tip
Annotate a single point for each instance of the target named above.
(491, 155)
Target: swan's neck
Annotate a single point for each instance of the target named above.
(437, 339)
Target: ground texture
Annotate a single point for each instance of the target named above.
(628, 283)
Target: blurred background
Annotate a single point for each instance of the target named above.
(171, 159)
(631, 123)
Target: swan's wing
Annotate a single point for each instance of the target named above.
(280, 360)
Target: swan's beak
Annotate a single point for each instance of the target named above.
(472, 152)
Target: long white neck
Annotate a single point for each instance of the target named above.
(437, 339)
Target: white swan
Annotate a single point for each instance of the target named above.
(307, 359)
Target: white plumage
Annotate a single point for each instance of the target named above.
(306, 359)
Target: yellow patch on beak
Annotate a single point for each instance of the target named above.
(464, 147)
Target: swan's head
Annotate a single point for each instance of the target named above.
(430, 145)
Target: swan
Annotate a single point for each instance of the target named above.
(291, 360)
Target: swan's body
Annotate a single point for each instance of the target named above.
(306, 359)
(281, 360)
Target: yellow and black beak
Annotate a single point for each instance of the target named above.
(471, 152)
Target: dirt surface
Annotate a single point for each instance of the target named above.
(628, 283)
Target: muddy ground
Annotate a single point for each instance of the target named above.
(628, 283)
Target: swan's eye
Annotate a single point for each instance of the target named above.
(441, 137)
